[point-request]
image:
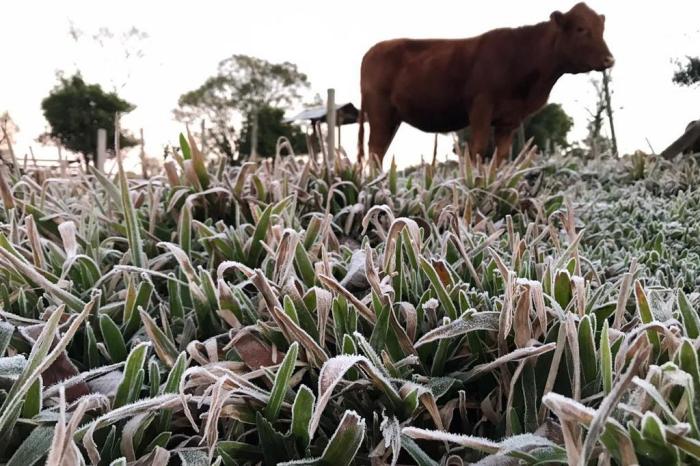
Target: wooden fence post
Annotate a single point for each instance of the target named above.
(142, 155)
(330, 130)
(101, 154)
(62, 164)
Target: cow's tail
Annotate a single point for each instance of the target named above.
(361, 136)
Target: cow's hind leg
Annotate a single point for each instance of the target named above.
(383, 124)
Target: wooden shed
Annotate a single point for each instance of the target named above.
(345, 114)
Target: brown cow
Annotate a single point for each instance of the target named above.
(693, 147)
(495, 79)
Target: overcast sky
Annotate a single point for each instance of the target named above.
(327, 40)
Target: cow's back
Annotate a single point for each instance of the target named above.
(388, 60)
(423, 79)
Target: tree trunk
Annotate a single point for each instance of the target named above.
(254, 137)
(608, 107)
(435, 144)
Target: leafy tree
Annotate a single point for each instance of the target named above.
(76, 110)
(551, 123)
(241, 89)
(271, 127)
(687, 74)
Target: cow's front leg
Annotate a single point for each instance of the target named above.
(504, 139)
(480, 126)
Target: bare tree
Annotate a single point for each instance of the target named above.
(122, 51)
(596, 142)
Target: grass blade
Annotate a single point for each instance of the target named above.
(280, 387)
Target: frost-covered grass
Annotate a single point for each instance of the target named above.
(270, 313)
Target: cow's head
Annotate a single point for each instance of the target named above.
(580, 43)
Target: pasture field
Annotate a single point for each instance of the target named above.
(285, 312)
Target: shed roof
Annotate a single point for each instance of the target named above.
(346, 114)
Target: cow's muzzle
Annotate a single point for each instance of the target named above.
(605, 63)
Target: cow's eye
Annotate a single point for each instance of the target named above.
(580, 30)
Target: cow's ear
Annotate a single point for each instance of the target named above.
(602, 18)
(558, 18)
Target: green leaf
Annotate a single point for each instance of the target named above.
(164, 348)
(172, 385)
(303, 265)
(301, 416)
(239, 450)
(129, 388)
(40, 358)
(379, 333)
(198, 162)
(161, 440)
(174, 299)
(691, 321)
(153, 377)
(135, 300)
(687, 358)
(441, 354)
(110, 188)
(469, 321)
(393, 185)
(92, 353)
(261, 229)
(184, 228)
(419, 456)
(32, 402)
(562, 288)
(290, 310)
(646, 315)
(34, 447)
(281, 380)
(185, 148)
(651, 442)
(32, 275)
(606, 365)
(273, 444)
(312, 231)
(528, 383)
(587, 350)
(6, 331)
(113, 339)
(444, 298)
(346, 440)
(133, 226)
